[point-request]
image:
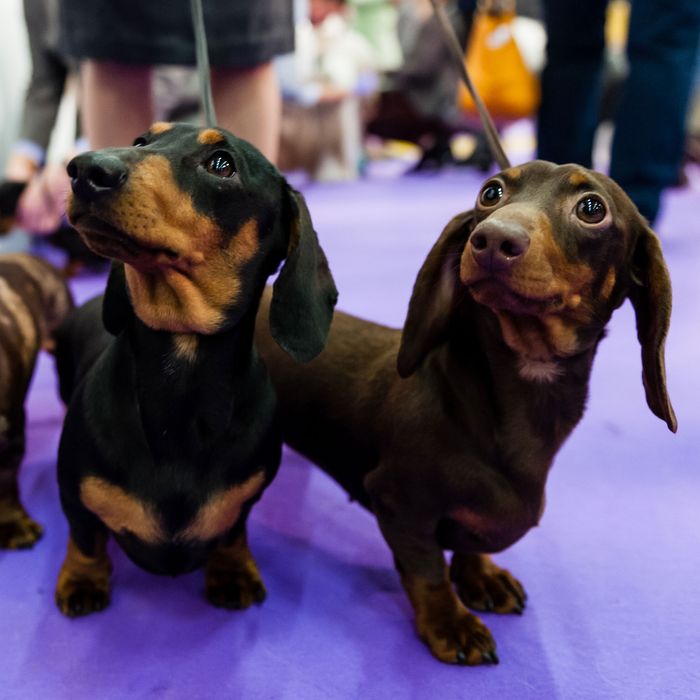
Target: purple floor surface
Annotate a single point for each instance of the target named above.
(613, 571)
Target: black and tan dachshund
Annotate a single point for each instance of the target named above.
(447, 430)
(34, 300)
(170, 435)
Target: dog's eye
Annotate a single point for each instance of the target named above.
(220, 164)
(591, 209)
(140, 141)
(491, 194)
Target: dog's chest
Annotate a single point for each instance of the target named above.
(156, 522)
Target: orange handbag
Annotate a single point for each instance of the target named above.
(508, 88)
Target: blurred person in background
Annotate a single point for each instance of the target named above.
(117, 43)
(650, 119)
(323, 84)
(377, 21)
(418, 101)
(42, 203)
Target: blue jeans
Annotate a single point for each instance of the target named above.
(650, 121)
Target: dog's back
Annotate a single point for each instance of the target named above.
(329, 407)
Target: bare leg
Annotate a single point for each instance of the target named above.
(484, 586)
(116, 102)
(248, 103)
(232, 577)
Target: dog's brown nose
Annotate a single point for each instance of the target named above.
(95, 174)
(496, 245)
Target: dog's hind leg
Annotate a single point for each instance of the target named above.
(484, 586)
(453, 634)
(17, 529)
(232, 577)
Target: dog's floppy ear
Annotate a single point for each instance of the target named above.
(116, 306)
(304, 294)
(433, 295)
(650, 294)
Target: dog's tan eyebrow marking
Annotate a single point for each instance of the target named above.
(513, 173)
(580, 181)
(160, 127)
(210, 136)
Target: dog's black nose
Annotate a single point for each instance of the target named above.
(496, 245)
(96, 174)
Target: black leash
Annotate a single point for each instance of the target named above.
(202, 52)
(458, 55)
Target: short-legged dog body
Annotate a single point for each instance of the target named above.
(170, 435)
(34, 299)
(447, 430)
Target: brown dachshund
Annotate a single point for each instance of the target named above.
(34, 299)
(447, 430)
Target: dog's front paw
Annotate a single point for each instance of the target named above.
(17, 529)
(459, 639)
(76, 597)
(235, 590)
(83, 582)
(483, 586)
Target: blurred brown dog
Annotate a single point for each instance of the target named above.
(34, 300)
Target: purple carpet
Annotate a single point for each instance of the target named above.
(613, 571)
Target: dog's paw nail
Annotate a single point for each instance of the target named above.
(488, 605)
(490, 657)
(461, 657)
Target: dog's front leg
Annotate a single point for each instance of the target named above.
(483, 585)
(83, 584)
(17, 529)
(453, 634)
(232, 577)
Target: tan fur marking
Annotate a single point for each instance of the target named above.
(222, 511)
(160, 127)
(79, 565)
(539, 371)
(609, 283)
(538, 339)
(232, 567)
(514, 173)
(120, 511)
(579, 179)
(80, 571)
(185, 346)
(210, 137)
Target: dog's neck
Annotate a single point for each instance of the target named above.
(476, 361)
